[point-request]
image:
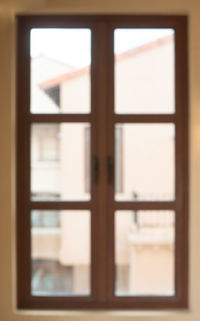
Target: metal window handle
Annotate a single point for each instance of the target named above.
(110, 169)
(95, 169)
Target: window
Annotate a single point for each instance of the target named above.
(102, 180)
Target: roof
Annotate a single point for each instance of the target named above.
(65, 77)
(120, 57)
(143, 48)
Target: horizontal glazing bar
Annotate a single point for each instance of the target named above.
(60, 205)
(41, 118)
(145, 205)
(130, 118)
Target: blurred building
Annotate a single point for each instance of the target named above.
(60, 170)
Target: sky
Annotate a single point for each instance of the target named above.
(65, 45)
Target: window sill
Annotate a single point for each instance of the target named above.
(186, 314)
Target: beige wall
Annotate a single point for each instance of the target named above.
(7, 138)
(153, 68)
(73, 92)
(156, 261)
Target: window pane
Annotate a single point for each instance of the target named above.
(144, 71)
(60, 70)
(61, 260)
(45, 218)
(144, 252)
(145, 164)
(60, 161)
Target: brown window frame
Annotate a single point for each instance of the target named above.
(119, 157)
(102, 204)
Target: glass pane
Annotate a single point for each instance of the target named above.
(45, 218)
(144, 252)
(60, 161)
(60, 260)
(144, 162)
(144, 71)
(60, 70)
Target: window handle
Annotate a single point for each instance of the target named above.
(95, 169)
(110, 169)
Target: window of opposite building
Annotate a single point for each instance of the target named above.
(102, 172)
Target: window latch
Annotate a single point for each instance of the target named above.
(95, 169)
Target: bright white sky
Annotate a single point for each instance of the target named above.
(73, 46)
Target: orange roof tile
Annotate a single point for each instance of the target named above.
(143, 48)
(65, 77)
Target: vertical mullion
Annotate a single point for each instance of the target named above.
(110, 153)
(23, 166)
(181, 242)
(93, 182)
(100, 66)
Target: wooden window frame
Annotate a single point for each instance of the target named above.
(119, 158)
(87, 159)
(102, 204)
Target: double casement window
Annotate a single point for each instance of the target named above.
(102, 173)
